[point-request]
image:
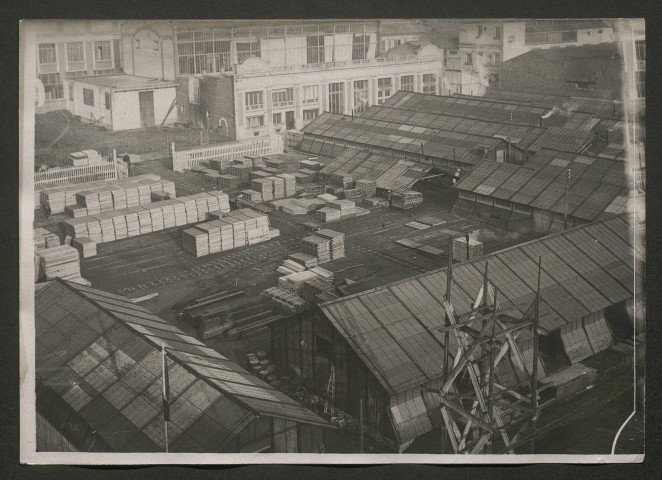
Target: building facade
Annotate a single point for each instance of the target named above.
(74, 48)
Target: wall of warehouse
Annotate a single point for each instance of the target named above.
(126, 108)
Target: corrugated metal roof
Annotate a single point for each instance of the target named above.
(594, 186)
(394, 328)
(100, 353)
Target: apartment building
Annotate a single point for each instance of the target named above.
(251, 78)
(74, 48)
(631, 38)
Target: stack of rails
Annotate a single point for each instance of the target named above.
(460, 249)
(42, 238)
(287, 301)
(152, 217)
(86, 247)
(317, 246)
(407, 199)
(337, 242)
(59, 262)
(290, 183)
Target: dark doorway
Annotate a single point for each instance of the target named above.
(146, 109)
(289, 120)
(552, 352)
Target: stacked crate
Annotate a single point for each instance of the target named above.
(86, 247)
(318, 247)
(460, 249)
(337, 242)
(195, 242)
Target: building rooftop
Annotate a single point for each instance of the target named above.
(98, 357)
(125, 82)
(596, 185)
(402, 27)
(561, 25)
(394, 328)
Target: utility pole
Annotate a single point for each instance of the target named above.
(565, 207)
(534, 380)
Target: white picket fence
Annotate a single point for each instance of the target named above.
(185, 159)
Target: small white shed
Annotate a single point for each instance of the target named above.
(122, 102)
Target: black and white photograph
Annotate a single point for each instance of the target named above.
(319, 241)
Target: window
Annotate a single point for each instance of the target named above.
(336, 97)
(640, 48)
(71, 91)
(384, 89)
(194, 90)
(107, 103)
(429, 83)
(75, 57)
(641, 84)
(204, 51)
(407, 83)
(310, 94)
(360, 96)
(247, 49)
(502, 204)
(255, 122)
(469, 59)
(282, 97)
(277, 118)
(254, 100)
(47, 55)
(310, 115)
(88, 97)
(52, 86)
(315, 49)
(569, 36)
(360, 45)
(103, 57)
(497, 33)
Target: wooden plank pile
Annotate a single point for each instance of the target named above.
(407, 199)
(294, 281)
(252, 196)
(327, 197)
(308, 261)
(290, 183)
(337, 242)
(376, 201)
(323, 273)
(279, 186)
(341, 179)
(265, 187)
(59, 262)
(313, 175)
(314, 286)
(86, 247)
(312, 165)
(460, 249)
(327, 215)
(367, 187)
(302, 178)
(195, 242)
(85, 157)
(241, 171)
(287, 301)
(259, 174)
(317, 246)
(42, 238)
(228, 182)
(274, 232)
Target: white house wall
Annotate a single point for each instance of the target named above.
(126, 108)
(88, 113)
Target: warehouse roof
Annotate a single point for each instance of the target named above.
(596, 185)
(401, 27)
(99, 353)
(401, 137)
(125, 82)
(389, 172)
(560, 25)
(394, 328)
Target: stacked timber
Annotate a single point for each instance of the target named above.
(119, 225)
(252, 196)
(337, 242)
(144, 220)
(318, 247)
(228, 182)
(59, 262)
(264, 187)
(407, 199)
(286, 301)
(353, 194)
(214, 235)
(90, 200)
(259, 174)
(347, 208)
(312, 165)
(367, 187)
(327, 215)
(290, 183)
(274, 232)
(119, 197)
(223, 200)
(323, 273)
(156, 216)
(195, 242)
(94, 229)
(42, 238)
(168, 211)
(327, 197)
(460, 249)
(279, 186)
(132, 222)
(311, 174)
(302, 178)
(307, 261)
(294, 281)
(315, 286)
(86, 247)
(241, 171)
(376, 201)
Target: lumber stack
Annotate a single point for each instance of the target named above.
(367, 187)
(59, 262)
(228, 182)
(307, 261)
(279, 186)
(327, 215)
(294, 281)
(241, 171)
(195, 242)
(460, 249)
(302, 178)
(327, 197)
(313, 175)
(85, 246)
(42, 238)
(259, 174)
(337, 242)
(265, 187)
(407, 199)
(313, 287)
(287, 301)
(347, 208)
(318, 247)
(252, 196)
(290, 183)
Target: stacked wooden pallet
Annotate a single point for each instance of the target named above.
(86, 247)
(337, 242)
(287, 301)
(59, 262)
(407, 199)
(195, 242)
(460, 249)
(318, 247)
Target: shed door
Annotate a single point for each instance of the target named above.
(146, 109)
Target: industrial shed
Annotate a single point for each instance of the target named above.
(122, 102)
(385, 343)
(532, 196)
(99, 384)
